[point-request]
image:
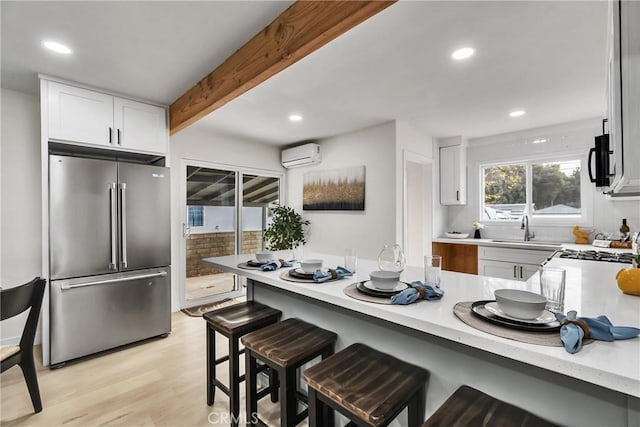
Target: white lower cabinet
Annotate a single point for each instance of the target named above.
(507, 270)
(510, 263)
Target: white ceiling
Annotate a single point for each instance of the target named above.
(155, 50)
(548, 58)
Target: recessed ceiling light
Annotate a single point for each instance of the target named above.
(463, 53)
(57, 47)
(516, 113)
(539, 141)
(295, 117)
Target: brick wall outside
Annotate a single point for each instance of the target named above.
(217, 244)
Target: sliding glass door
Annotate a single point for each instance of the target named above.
(225, 214)
(258, 193)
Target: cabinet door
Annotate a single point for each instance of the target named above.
(79, 115)
(503, 270)
(453, 175)
(528, 270)
(630, 96)
(140, 127)
(457, 257)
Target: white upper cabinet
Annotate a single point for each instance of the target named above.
(94, 118)
(453, 175)
(139, 126)
(79, 115)
(624, 97)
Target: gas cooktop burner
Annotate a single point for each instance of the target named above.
(622, 257)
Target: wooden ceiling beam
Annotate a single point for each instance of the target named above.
(300, 30)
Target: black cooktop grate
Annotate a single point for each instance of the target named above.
(621, 257)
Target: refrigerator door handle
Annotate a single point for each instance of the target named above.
(120, 279)
(114, 226)
(123, 222)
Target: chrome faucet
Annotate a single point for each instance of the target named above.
(525, 226)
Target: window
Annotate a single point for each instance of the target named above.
(196, 216)
(539, 189)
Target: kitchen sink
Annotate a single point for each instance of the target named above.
(527, 242)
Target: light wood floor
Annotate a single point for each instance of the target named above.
(159, 383)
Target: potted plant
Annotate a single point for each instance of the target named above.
(287, 229)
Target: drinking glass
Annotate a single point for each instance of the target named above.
(350, 259)
(432, 269)
(552, 284)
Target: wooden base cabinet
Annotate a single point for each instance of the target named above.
(456, 257)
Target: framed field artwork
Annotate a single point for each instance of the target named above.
(334, 190)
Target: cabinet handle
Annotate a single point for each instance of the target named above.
(458, 195)
(110, 136)
(123, 224)
(515, 271)
(119, 143)
(521, 275)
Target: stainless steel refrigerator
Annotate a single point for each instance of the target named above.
(110, 255)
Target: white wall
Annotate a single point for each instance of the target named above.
(20, 195)
(369, 230)
(573, 137)
(203, 146)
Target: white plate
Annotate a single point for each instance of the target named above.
(546, 317)
(399, 287)
(457, 235)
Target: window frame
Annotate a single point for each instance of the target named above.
(586, 192)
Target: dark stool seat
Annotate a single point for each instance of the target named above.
(367, 386)
(233, 322)
(469, 407)
(284, 347)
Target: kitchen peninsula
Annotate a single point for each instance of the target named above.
(599, 386)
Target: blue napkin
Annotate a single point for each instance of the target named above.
(276, 264)
(324, 275)
(599, 328)
(412, 294)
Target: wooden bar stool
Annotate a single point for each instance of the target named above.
(367, 386)
(233, 322)
(469, 407)
(284, 347)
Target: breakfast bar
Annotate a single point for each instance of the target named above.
(598, 386)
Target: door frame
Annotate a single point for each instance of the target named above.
(182, 220)
(409, 156)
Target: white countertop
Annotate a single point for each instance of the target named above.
(591, 290)
(532, 244)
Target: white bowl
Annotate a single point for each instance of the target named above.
(520, 304)
(309, 266)
(384, 280)
(457, 235)
(264, 256)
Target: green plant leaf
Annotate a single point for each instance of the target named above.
(287, 229)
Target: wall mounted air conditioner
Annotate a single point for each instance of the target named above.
(302, 155)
